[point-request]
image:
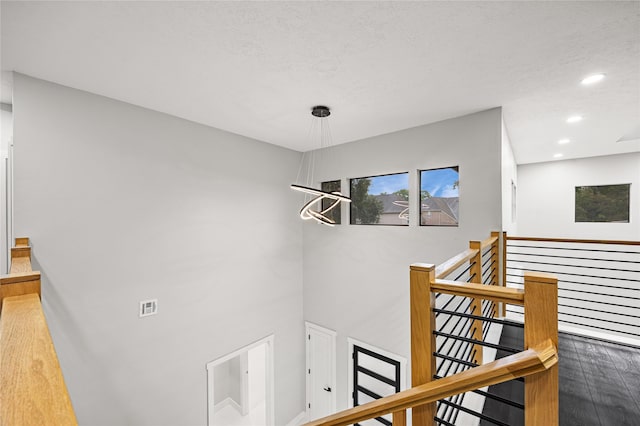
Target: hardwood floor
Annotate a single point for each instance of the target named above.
(599, 383)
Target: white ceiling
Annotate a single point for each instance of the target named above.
(256, 68)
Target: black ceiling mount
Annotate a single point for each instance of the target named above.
(320, 111)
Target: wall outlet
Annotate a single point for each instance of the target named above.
(148, 307)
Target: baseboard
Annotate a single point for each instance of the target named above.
(608, 337)
(614, 338)
(227, 402)
(298, 420)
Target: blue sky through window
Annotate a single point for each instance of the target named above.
(439, 182)
(388, 183)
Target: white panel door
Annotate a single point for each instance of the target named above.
(321, 399)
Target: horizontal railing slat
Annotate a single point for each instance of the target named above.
(571, 240)
(509, 295)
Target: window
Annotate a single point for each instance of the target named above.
(605, 203)
(335, 213)
(439, 197)
(380, 200)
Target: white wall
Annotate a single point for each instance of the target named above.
(124, 204)
(509, 178)
(235, 380)
(357, 276)
(546, 197)
(221, 382)
(227, 381)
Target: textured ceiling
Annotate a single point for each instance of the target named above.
(256, 68)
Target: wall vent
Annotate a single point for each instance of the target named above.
(148, 307)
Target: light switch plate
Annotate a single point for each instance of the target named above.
(148, 307)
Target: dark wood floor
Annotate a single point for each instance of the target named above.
(599, 383)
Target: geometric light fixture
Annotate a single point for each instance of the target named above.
(314, 208)
(404, 214)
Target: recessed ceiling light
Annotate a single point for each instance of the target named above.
(564, 141)
(558, 155)
(592, 79)
(574, 119)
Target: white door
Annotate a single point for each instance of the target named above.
(321, 371)
(244, 382)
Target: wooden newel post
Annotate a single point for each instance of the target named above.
(476, 304)
(541, 325)
(423, 342)
(399, 418)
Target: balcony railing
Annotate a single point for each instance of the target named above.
(598, 283)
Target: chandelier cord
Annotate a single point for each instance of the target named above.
(318, 197)
(307, 158)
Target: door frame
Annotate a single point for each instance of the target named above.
(269, 377)
(309, 326)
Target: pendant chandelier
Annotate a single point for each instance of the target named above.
(314, 206)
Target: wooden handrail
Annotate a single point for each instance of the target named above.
(571, 240)
(453, 263)
(33, 391)
(486, 243)
(447, 267)
(32, 388)
(522, 364)
(509, 295)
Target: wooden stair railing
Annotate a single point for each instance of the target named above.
(522, 364)
(32, 388)
(537, 363)
(540, 301)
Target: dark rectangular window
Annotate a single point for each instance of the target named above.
(439, 197)
(604, 203)
(335, 213)
(380, 200)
